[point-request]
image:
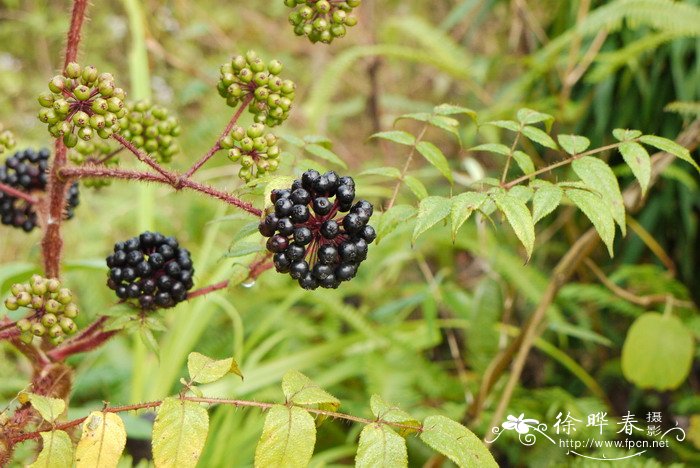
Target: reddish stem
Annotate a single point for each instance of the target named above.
(208, 289)
(13, 192)
(145, 158)
(9, 332)
(76, 24)
(52, 243)
(217, 146)
(80, 346)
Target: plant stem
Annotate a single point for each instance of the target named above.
(74, 33)
(208, 289)
(13, 192)
(217, 146)
(510, 155)
(406, 165)
(143, 157)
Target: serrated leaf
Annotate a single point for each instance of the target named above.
(456, 442)
(390, 172)
(518, 216)
(524, 162)
(658, 352)
(301, 390)
(497, 148)
(463, 205)
(434, 156)
(57, 451)
(431, 211)
(445, 123)
(507, 124)
(521, 192)
(245, 231)
(529, 117)
(393, 414)
(179, 433)
(102, 441)
(591, 204)
(119, 322)
(418, 116)
(598, 176)
(623, 134)
(204, 369)
(49, 408)
(325, 154)
(276, 183)
(380, 447)
(539, 136)
(637, 158)
(545, 200)
(416, 186)
(148, 338)
(393, 217)
(397, 136)
(574, 144)
(287, 440)
(242, 249)
(451, 109)
(669, 146)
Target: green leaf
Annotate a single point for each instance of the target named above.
(393, 414)
(524, 162)
(300, 390)
(325, 154)
(622, 134)
(49, 408)
(431, 211)
(669, 146)
(492, 148)
(456, 442)
(245, 231)
(451, 109)
(179, 433)
(539, 136)
(435, 157)
(380, 447)
(204, 369)
(397, 136)
(418, 116)
(102, 441)
(658, 352)
(637, 158)
(318, 140)
(57, 451)
(445, 123)
(598, 176)
(591, 204)
(574, 144)
(463, 205)
(242, 249)
(287, 440)
(519, 218)
(393, 217)
(416, 186)
(522, 192)
(529, 117)
(390, 172)
(293, 140)
(507, 124)
(546, 199)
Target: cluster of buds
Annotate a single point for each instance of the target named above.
(7, 139)
(53, 309)
(82, 103)
(256, 151)
(322, 20)
(151, 128)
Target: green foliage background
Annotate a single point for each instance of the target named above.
(420, 324)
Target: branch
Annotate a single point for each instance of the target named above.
(217, 146)
(13, 192)
(143, 157)
(80, 346)
(208, 289)
(409, 159)
(76, 25)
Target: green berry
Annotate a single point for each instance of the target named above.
(71, 311)
(11, 303)
(53, 285)
(68, 326)
(73, 70)
(37, 302)
(24, 325)
(38, 329)
(24, 299)
(49, 319)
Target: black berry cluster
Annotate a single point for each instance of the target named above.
(322, 20)
(27, 171)
(52, 309)
(82, 103)
(256, 151)
(151, 127)
(249, 75)
(150, 270)
(7, 139)
(309, 239)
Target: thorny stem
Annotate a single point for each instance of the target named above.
(13, 192)
(143, 157)
(406, 165)
(256, 269)
(215, 401)
(217, 146)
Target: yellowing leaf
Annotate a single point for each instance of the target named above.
(519, 217)
(591, 205)
(435, 157)
(287, 440)
(57, 451)
(574, 144)
(389, 413)
(431, 211)
(598, 176)
(456, 442)
(49, 408)
(102, 441)
(380, 447)
(300, 390)
(637, 158)
(206, 370)
(179, 433)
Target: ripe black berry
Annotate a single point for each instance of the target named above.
(308, 238)
(27, 171)
(152, 270)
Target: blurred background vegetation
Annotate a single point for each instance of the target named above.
(420, 324)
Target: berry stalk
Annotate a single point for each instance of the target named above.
(18, 194)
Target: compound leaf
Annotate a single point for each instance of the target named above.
(669, 146)
(598, 176)
(325, 154)
(518, 216)
(529, 117)
(102, 441)
(49, 408)
(397, 136)
(431, 211)
(391, 218)
(57, 451)
(539, 136)
(637, 158)
(380, 447)
(287, 440)
(574, 144)
(204, 369)
(463, 205)
(301, 390)
(435, 157)
(546, 199)
(592, 206)
(456, 442)
(389, 413)
(179, 433)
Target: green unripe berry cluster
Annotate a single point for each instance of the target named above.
(93, 152)
(82, 103)
(7, 139)
(249, 75)
(52, 305)
(322, 20)
(255, 150)
(151, 128)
